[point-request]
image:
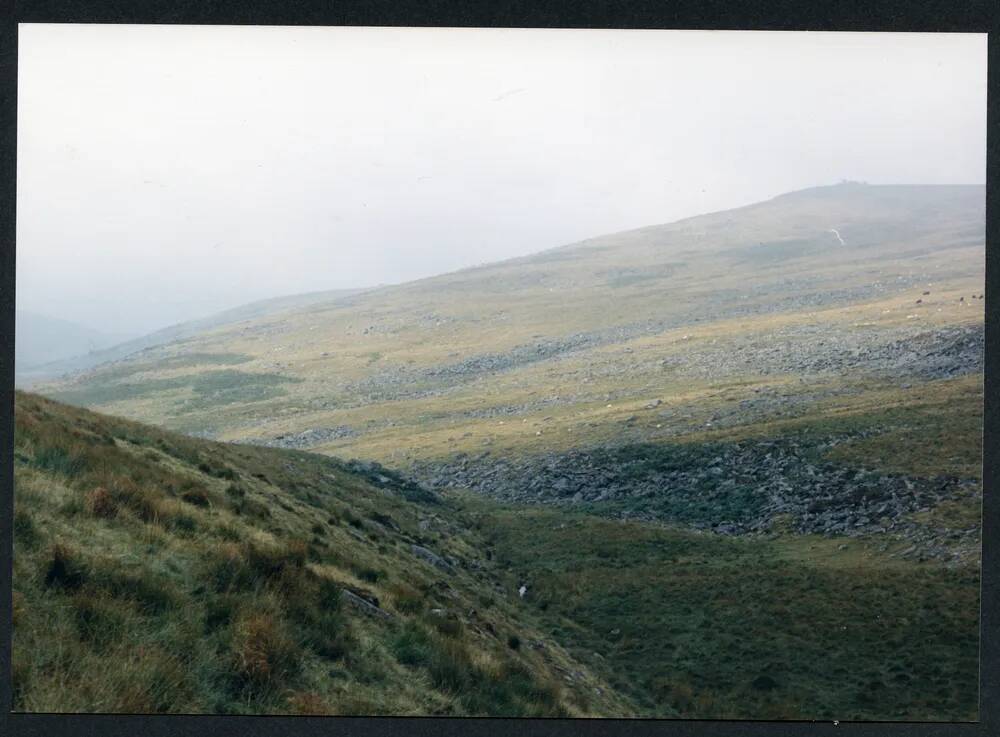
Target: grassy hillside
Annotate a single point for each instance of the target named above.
(562, 348)
(156, 572)
(73, 358)
(736, 628)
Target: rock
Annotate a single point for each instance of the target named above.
(364, 606)
(433, 558)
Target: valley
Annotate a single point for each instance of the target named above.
(735, 461)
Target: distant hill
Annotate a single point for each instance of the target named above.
(72, 359)
(42, 339)
(584, 335)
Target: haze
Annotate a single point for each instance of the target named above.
(169, 172)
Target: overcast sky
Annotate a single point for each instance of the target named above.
(165, 173)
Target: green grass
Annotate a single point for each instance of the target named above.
(710, 627)
(210, 389)
(158, 573)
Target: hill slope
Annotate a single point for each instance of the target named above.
(710, 316)
(776, 405)
(73, 358)
(158, 573)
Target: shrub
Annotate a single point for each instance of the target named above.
(196, 496)
(406, 598)
(99, 622)
(139, 586)
(450, 666)
(248, 566)
(220, 612)
(100, 503)
(59, 460)
(412, 645)
(514, 642)
(366, 573)
(539, 695)
(229, 533)
(156, 682)
(182, 524)
(314, 607)
(263, 654)
(143, 503)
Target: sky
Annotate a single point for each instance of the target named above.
(169, 172)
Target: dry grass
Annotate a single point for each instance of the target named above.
(134, 594)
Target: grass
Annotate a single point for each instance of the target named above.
(148, 581)
(202, 577)
(714, 628)
(207, 388)
(119, 608)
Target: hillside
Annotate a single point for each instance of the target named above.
(73, 357)
(724, 319)
(158, 573)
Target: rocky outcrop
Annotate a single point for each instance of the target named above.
(736, 488)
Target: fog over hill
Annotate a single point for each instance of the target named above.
(43, 339)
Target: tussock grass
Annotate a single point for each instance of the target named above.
(156, 573)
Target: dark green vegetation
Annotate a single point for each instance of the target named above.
(711, 627)
(208, 388)
(155, 573)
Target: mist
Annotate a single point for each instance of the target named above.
(168, 172)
